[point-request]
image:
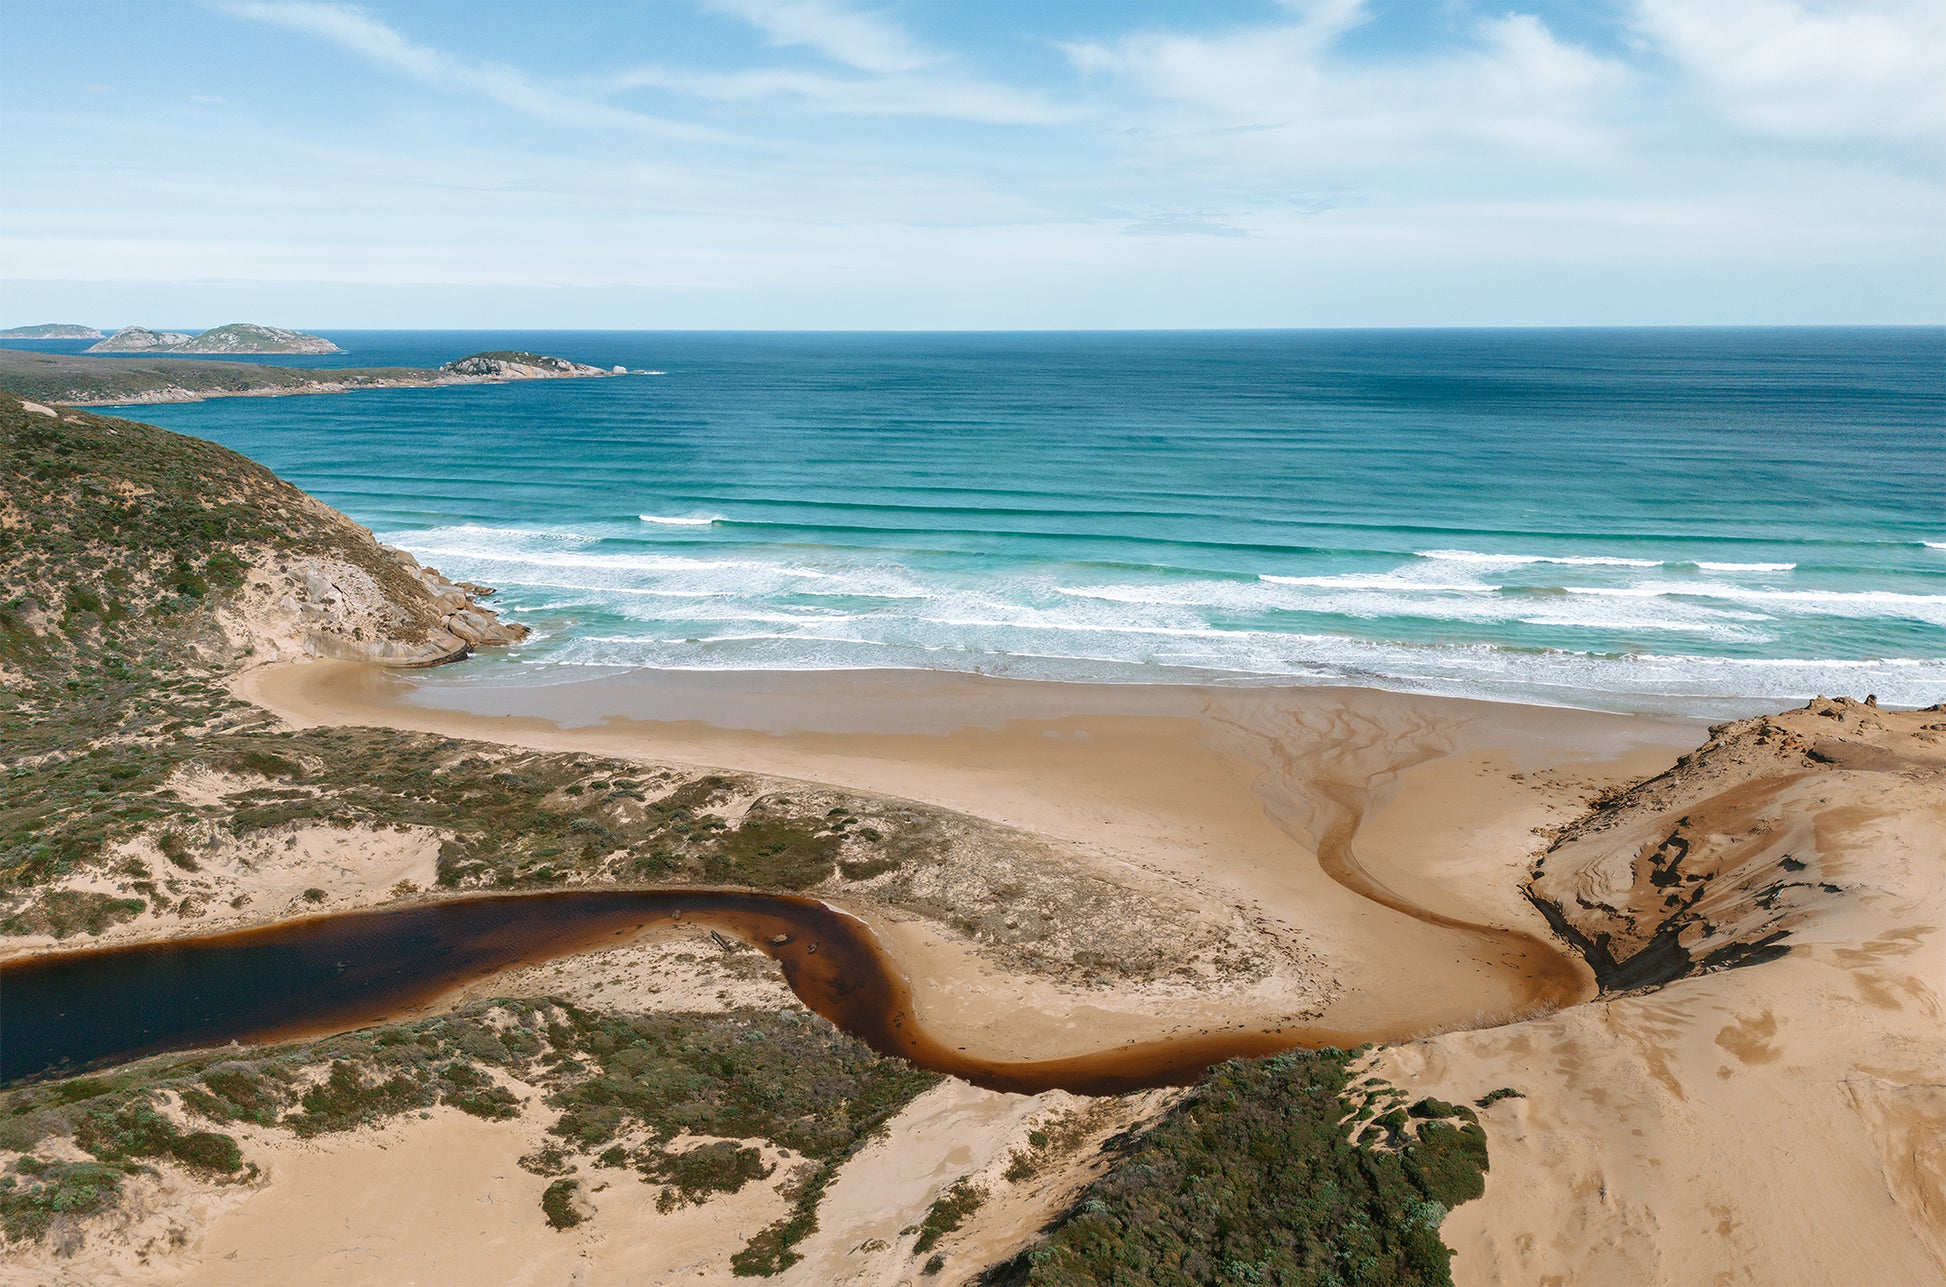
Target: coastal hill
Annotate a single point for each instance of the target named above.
(51, 331)
(79, 380)
(107, 523)
(235, 338)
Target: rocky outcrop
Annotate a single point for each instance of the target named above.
(1718, 861)
(248, 337)
(175, 375)
(234, 338)
(520, 366)
(326, 605)
(140, 339)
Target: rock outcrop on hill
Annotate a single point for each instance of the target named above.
(521, 366)
(140, 339)
(248, 337)
(234, 338)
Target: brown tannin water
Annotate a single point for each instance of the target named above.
(74, 1010)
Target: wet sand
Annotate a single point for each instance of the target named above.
(1378, 836)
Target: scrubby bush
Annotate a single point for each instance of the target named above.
(1252, 1179)
(559, 1205)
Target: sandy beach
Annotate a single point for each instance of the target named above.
(1248, 804)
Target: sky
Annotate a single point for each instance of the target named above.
(972, 164)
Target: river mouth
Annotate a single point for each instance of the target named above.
(71, 1011)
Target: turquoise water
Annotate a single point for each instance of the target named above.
(1628, 519)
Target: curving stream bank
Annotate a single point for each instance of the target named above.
(74, 1010)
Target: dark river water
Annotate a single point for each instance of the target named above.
(74, 1010)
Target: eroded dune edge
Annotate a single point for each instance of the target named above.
(1713, 984)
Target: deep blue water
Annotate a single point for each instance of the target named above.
(1612, 518)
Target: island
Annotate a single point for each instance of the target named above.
(51, 331)
(78, 380)
(236, 337)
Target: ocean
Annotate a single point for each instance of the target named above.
(1672, 520)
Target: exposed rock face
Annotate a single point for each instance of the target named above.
(140, 339)
(521, 366)
(248, 337)
(326, 605)
(1716, 861)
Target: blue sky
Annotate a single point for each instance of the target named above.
(963, 164)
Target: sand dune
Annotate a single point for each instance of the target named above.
(1783, 1122)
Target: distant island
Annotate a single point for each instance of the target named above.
(75, 380)
(51, 331)
(237, 337)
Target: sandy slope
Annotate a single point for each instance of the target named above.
(1779, 1123)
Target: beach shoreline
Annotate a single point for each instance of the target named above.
(1306, 814)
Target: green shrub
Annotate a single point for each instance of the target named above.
(55, 1188)
(692, 1176)
(1252, 1179)
(948, 1212)
(558, 1203)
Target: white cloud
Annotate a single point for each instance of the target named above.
(936, 95)
(836, 31)
(888, 73)
(1875, 69)
(356, 31)
(1284, 93)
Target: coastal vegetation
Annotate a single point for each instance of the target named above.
(1265, 1174)
(623, 1091)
